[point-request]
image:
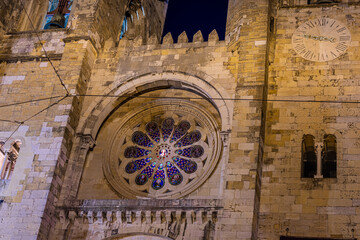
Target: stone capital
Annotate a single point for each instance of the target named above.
(86, 141)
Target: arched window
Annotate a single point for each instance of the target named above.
(58, 14)
(133, 9)
(329, 156)
(124, 28)
(308, 157)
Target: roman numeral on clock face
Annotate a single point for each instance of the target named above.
(341, 47)
(344, 38)
(321, 22)
(309, 54)
(341, 29)
(300, 47)
(310, 24)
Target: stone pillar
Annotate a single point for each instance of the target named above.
(318, 149)
(76, 167)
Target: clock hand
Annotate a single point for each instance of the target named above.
(319, 38)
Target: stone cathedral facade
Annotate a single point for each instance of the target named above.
(106, 132)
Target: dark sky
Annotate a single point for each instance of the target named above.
(194, 15)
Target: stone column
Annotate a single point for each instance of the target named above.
(76, 167)
(319, 147)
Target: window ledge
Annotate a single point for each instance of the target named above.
(38, 31)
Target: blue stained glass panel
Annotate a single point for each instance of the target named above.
(141, 179)
(158, 181)
(174, 175)
(180, 130)
(189, 139)
(141, 139)
(191, 152)
(140, 163)
(167, 128)
(153, 131)
(148, 171)
(187, 165)
(131, 167)
(135, 152)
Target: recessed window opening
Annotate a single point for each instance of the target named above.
(58, 14)
(308, 157)
(319, 159)
(329, 157)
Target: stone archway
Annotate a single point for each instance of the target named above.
(101, 107)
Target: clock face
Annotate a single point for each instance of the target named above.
(321, 39)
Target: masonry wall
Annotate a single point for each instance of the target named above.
(291, 205)
(247, 35)
(236, 69)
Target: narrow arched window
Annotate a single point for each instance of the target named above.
(58, 14)
(308, 166)
(124, 28)
(329, 156)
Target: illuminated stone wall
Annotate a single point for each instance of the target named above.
(311, 207)
(260, 95)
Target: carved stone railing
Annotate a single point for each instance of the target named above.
(170, 218)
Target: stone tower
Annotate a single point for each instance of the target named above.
(108, 133)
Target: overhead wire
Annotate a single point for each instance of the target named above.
(53, 104)
(224, 99)
(29, 101)
(41, 99)
(43, 48)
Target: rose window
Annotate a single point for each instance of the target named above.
(164, 154)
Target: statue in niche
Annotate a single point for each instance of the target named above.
(10, 158)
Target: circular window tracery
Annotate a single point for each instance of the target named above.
(165, 157)
(168, 153)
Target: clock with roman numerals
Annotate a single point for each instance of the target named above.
(321, 39)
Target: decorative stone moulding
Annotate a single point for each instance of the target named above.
(166, 149)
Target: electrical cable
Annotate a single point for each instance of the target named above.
(29, 101)
(53, 104)
(13, 133)
(224, 99)
(10, 121)
(42, 110)
(43, 48)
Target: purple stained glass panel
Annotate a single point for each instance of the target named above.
(189, 139)
(141, 139)
(153, 130)
(187, 165)
(167, 128)
(191, 152)
(135, 152)
(180, 130)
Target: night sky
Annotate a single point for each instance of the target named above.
(194, 15)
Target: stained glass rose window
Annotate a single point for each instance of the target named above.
(163, 153)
